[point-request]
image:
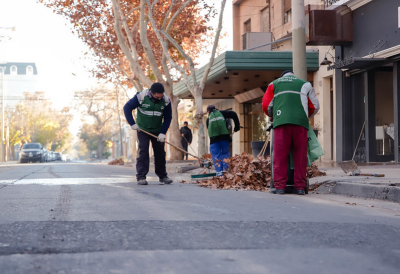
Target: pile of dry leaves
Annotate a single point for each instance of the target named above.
(116, 162)
(248, 173)
(245, 172)
(313, 171)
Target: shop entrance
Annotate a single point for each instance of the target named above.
(255, 123)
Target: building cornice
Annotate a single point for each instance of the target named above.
(357, 3)
(386, 53)
(352, 4)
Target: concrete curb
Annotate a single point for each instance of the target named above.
(381, 192)
(387, 193)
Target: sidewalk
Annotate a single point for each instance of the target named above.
(337, 182)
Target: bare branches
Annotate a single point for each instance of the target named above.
(177, 13)
(217, 34)
(164, 45)
(168, 13)
(129, 13)
(145, 42)
(187, 57)
(132, 62)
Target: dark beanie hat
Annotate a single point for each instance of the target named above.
(210, 108)
(286, 71)
(157, 88)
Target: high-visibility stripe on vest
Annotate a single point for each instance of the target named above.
(150, 115)
(216, 124)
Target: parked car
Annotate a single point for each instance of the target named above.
(45, 154)
(53, 156)
(32, 152)
(58, 156)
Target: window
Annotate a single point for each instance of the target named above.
(1, 70)
(14, 70)
(265, 21)
(287, 11)
(247, 26)
(29, 70)
(287, 17)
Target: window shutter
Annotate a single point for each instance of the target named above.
(287, 5)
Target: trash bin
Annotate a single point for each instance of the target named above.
(257, 146)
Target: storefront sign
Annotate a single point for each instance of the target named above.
(341, 63)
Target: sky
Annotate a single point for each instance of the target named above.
(45, 38)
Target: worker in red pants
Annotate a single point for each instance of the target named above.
(290, 102)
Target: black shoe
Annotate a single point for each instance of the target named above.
(278, 191)
(166, 180)
(142, 182)
(299, 192)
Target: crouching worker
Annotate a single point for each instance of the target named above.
(290, 102)
(154, 115)
(219, 136)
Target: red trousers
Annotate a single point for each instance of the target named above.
(290, 138)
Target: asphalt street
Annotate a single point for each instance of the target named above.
(93, 218)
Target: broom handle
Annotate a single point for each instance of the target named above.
(189, 144)
(359, 138)
(170, 144)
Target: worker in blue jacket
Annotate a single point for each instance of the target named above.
(154, 115)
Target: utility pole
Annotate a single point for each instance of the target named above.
(2, 115)
(299, 40)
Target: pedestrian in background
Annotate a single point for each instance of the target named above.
(186, 139)
(290, 102)
(154, 116)
(219, 136)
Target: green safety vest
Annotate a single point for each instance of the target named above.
(216, 124)
(150, 115)
(289, 102)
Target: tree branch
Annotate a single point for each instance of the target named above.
(168, 13)
(129, 13)
(177, 13)
(187, 57)
(136, 69)
(217, 34)
(145, 42)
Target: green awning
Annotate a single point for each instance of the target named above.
(235, 72)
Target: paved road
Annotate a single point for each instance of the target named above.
(92, 218)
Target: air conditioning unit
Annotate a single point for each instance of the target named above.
(256, 39)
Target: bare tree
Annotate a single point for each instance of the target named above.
(196, 88)
(100, 104)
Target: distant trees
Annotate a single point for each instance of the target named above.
(98, 108)
(35, 120)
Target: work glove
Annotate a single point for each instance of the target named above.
(161, 137)
(135, 127)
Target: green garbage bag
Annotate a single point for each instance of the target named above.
(314, 149)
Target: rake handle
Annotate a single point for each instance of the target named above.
(152, 135)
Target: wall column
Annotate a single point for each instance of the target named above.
(369, 89)
(396, 108)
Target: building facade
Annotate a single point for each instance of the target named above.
(15, 79)
(368, 82)
(262, 47)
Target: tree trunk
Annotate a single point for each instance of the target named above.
(100, 147)
(119, 120)
(13, 153)
(199, 121)
(174, 133)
